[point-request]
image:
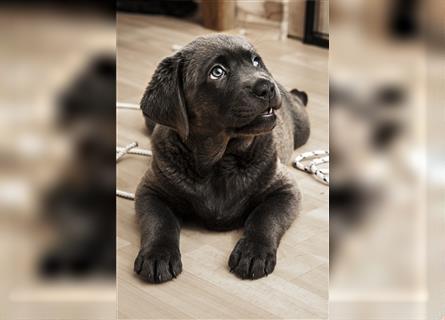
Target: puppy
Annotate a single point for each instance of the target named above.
(220, 126)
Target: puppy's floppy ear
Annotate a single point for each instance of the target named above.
(301, 95)
(163, 101)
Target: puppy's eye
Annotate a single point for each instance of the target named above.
(256, 61)
(217, 73)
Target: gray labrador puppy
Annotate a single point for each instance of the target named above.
(220, 125)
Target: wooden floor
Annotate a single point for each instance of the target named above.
(298, 288)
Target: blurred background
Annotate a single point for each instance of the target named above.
(57, 168)
(304, 20)
(387, 250)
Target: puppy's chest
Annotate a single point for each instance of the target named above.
(225, 194)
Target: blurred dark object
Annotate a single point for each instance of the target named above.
(348, 201)
(81, 206)
(349, 205)
(403, 17)
(390, 95)
(179, 9)
(385, 133)
(89, 97)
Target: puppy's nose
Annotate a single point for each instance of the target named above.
(264, 89)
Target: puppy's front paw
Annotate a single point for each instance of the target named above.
(158, 265)
(252, 260)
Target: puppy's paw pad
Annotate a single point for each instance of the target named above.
(158, 265)
(252, 260)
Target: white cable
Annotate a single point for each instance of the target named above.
(125, 105)
(125, 150)
(138, 151)
(129, 149)
(125, 194)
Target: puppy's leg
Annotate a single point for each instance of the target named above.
(159, 259)
(254, 256)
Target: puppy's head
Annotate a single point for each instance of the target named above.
(214, 84)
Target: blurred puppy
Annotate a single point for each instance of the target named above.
(81, 206)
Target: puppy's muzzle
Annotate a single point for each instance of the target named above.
(264, 89)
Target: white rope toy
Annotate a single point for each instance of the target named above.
(134, 150)
(319, 157)
(130, 106)
(129, 149)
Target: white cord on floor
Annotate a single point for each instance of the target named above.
(125, 194)
(129, 149)
(138, 151)
(122, 151)
(320, 157)
(125, 105)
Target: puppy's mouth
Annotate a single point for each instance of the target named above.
(268, 113)
(261, 124)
